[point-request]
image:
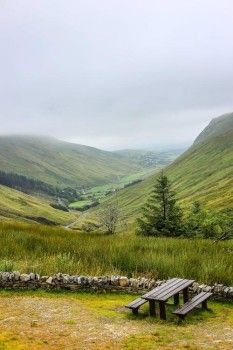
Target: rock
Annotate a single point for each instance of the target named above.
(24, 277)
(134, 283)
(226, 290)
(44, 278)
(195, 287)
(16, 275)
(123, 282)
(65, 278)
(207, 289)
(5, 276)
(115, 280)
(49, 280)
(32, 276)
(218, 288)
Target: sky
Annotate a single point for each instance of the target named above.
(115, 73)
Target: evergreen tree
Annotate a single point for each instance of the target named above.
(161, 214)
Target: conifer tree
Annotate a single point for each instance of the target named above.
(161, 214)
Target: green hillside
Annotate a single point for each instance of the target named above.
(61, 163)
(150, 159)
(204, 172)
(18, 206)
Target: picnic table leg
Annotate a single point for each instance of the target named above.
(152, 307)
(176, 299)
(204, 305)
(186, 295)
(162, 310)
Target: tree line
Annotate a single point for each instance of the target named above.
(30, 185)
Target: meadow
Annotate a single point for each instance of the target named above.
(48, 250)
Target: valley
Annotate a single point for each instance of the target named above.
(203, 173)
(54, 178)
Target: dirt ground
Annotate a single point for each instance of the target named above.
(42, 321)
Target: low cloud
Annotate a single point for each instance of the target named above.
(115, 74)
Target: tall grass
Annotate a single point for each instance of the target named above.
(48, 250)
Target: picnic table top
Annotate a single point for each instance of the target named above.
(168, 289)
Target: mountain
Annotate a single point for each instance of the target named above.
(204, 172)
(61, 163)
(150, 159)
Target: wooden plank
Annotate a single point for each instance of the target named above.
(152, 294)
(190, 305)
(169, 288)
(136, 303)
(159, 288)
(169, 293)
(179, 284)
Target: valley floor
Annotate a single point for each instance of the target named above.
(49, 321)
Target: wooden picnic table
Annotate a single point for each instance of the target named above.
(169, 289)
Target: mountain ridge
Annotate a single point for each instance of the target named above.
(61, 163)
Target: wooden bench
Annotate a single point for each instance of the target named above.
(200, 298)
(135, 305)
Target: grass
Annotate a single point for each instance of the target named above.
(80, 204)
(47, 250)
(63, 320)
(20, 206)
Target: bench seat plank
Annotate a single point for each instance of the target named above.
(190, 305)
(136, 303)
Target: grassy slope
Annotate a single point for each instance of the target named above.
(17, 205)
(204, 172)
(61, 163)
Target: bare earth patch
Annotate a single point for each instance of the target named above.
(40, 320)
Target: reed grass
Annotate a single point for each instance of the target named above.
(48, 250)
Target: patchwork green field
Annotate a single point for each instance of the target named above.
(99, 193)
(46, 250)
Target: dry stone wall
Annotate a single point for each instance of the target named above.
(59, 281)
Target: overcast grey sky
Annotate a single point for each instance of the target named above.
(115, 73)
